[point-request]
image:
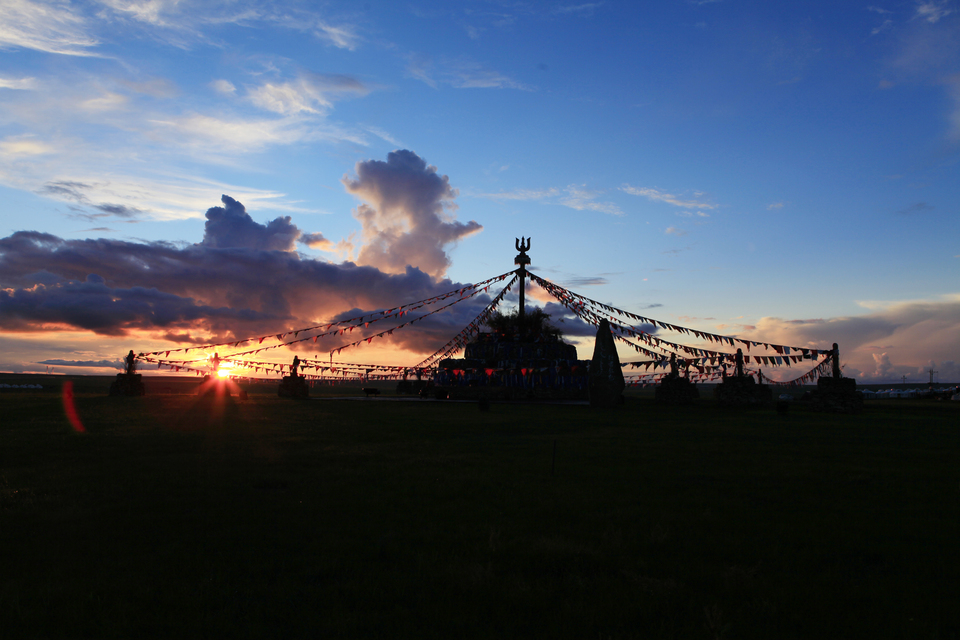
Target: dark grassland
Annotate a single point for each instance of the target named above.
(180, 516)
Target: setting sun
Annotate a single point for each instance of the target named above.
(223, 373)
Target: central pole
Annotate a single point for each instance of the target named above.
(522, 245)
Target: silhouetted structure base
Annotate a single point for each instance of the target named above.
(605, 394)
(502, 393)
(677, 391)
(742, 392)
(127, 384)
(293, 387)
(412, 387)
(836, 395)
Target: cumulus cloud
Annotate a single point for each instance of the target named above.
(883, 367)
(407, 217)
(231, 226)
(241, 280)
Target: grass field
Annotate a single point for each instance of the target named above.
(175, 515)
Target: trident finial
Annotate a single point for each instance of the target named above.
(522, 245)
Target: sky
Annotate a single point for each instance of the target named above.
(177, 173)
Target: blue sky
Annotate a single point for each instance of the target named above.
(781, 172)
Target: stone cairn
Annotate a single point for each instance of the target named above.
(606, 377)
(676, 390)
(836, 394)
(128, 383)
(741, 390)
(294, 385)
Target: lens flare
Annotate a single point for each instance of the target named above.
(70, 409)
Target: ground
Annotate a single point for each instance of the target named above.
(179, 515)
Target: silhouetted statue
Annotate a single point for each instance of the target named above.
(836, 394)
(739, 361)
(294, 385)
(216, 362)
(676, 390)
(128, 383)
(131, 363)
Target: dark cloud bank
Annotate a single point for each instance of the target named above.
(245, 278)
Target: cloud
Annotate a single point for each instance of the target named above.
(231, 133)
(168, 200)
(93, 306)
(460, 73)
(466, 74)
(107, 364)
(316, 241)
(574, 196)
(579, 198)
(420, 67)
(341, 36)
(886, 24)
(914, 209)
(913, 331)
(933, 11)
(883, 367)
(21, 84)
(660, 196)
(675, 232)
(25, 145)
(182, 24)
(153, 87)
(521, 194)
(223, 87)
(408, 215)
(586, 8)
(107, 101)
(231, 226)
(774, 206)
(310, 93)
(51, 27)
(953, 85)
(242, 280)
(584, 281)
